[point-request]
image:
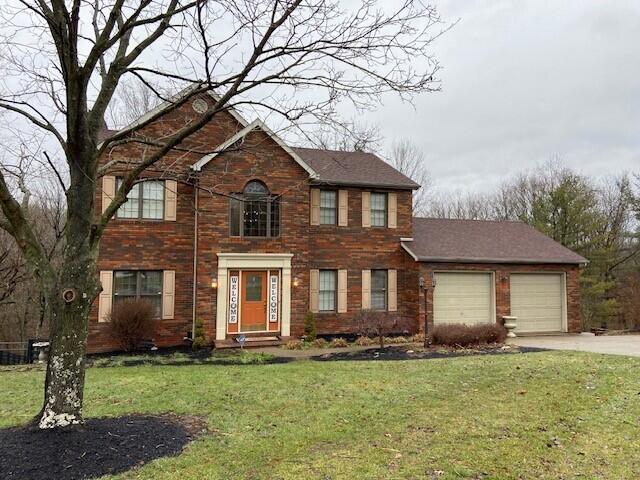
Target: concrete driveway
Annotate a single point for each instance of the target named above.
(586, 342)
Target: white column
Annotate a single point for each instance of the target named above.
(221, 310)
(285, 327)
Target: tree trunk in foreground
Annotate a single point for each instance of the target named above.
(64, 383)
(70, 294)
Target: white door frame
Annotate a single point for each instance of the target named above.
(253, 261)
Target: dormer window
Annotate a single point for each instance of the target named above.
(254, 212)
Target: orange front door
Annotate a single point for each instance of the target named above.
(253, 315)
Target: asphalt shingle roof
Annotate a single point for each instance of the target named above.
(353, 168)
(479, 241)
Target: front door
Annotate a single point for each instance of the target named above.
(253, 316)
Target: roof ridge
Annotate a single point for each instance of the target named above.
(330, 150)
(472, 220)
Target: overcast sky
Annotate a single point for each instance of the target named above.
(524, 81)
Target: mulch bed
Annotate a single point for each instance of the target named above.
(395, 352)
(103, 446)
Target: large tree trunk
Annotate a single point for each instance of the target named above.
(64, 384)
(70, 295)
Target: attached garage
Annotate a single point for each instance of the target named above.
(475, 271)
(463, 297)
(538, 300)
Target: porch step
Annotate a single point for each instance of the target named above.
(250, 342)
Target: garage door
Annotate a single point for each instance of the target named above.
(538, 302)
(463, 298)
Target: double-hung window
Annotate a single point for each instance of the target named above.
(328, 207)
(378, 289)
(145, 200)
(139, 284)
(378, 209)
(254, 212)
(328, 290)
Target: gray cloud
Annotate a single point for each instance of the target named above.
(524, 81)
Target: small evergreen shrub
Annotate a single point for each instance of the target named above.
(199, 340)
(131, 323)
(338, 343)
(310, 332)
(458, 335)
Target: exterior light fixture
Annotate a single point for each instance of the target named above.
(214, 283)
(296, 281)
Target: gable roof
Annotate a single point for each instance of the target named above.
(241, 134)
(105, 132)
(327, 166)
(480, 241)
(323, 166)
(354, 168)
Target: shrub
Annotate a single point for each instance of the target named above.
(418, 338)
(198, 335)
(364, 341)
(396, 340)
(380, 324)
(319, 343)
(131, 322)
(310, 332)
(458, 335)
(293, 345)
(338, 343)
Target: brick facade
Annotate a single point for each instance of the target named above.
(157, 245)
(172, 245)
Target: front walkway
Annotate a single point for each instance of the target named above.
(586, 342)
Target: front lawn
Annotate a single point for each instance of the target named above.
(537, 415)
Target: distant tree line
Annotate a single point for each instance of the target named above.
(599, 219)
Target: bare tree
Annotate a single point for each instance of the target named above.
(62, 62)
(409, 159)
(132, 99)
(350, 136)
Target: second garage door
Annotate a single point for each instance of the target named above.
(463, 298)
(537, 300)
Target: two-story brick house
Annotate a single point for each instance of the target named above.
(240, 230)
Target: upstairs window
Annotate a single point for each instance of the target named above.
(145, 200)
(378, 209)
(254, 212)
(328, 207)
(378, 289)
(139, 284)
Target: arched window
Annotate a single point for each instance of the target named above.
(254, 212)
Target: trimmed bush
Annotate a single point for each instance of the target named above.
(319, 343)
(293, 345)
(338, 343)
(418, 338)
(396, 340)
(310, 332)
(458, 335)
(131, 322)
(364, 341)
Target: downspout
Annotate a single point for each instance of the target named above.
(195, 262)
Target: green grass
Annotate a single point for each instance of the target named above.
(541, 415)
